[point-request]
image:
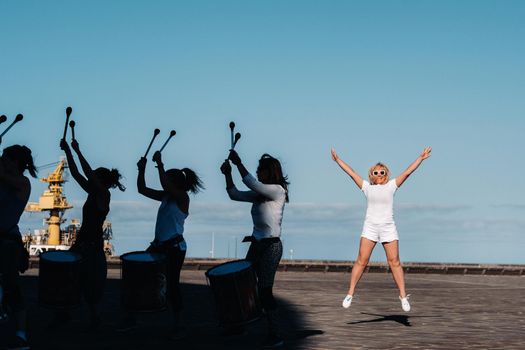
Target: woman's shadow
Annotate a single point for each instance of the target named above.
(402, 319)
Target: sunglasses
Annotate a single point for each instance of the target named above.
(380, 172)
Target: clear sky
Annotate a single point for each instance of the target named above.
(378, 80)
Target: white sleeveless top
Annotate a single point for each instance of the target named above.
(170, 221)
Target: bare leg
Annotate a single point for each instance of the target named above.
(392, 255)
(365, 250)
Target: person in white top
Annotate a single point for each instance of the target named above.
(268, 195)
(379, 225)
(173, 211)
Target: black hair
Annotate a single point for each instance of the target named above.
(23, 156)
(187, 178)
(110, 178)
(275, 172)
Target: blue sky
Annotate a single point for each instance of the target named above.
(378, 80)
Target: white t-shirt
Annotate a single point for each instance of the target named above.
(268, 206)
(170, 221)
(380, 202)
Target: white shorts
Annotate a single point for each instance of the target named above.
(383, 233)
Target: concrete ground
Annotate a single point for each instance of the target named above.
(448, 312)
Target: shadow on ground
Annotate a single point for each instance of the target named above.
(154, 329)
(402, 319)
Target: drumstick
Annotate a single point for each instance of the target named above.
(156, 132)
(232, 127)
(237, 137)
(172, 133)
(72, 126)
(3, 118)
(68, 113)
(18, 118)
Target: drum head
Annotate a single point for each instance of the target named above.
(142, 257)
(61, 256)
(229, 268)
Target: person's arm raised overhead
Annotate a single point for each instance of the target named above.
(347, 169)
(168, 186)
(233, 192)
(86, 168)
(73, 169)
(272, 192)
(141, 182)
(412, 167)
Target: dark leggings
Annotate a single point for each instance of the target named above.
(175, 259)
(93, 270)
(265, 256)
(9, 263)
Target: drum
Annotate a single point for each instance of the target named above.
(234, 287)
(59, 280)
(144, 282)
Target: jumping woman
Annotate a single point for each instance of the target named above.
(379, 225)
(90, 242)
(15, 189)
(268, 193)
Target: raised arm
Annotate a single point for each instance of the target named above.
(233, 192)
(405, 174)
(141, 183)
(73, 169)
(172, 190)
(269, 191)
(347, 169)
(86, 168)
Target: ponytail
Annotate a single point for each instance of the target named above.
(192, 181)
(115, 177)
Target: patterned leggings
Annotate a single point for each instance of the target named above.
(265, 256)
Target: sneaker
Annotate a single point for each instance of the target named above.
(347, 301)
(17, 343)
(405, 304)
(273, 341)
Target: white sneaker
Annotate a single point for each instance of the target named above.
(405, 304)
(347, 301)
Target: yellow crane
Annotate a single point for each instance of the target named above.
(54, 201)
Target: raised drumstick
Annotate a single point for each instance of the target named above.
(156, 132)
(18, 118)
(232, 128)
(72, 126)
(68, 114)
(237, 137)
(3, 118)
(172, 133)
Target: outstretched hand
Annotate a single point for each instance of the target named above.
(226, 168)
(335, 157)
(426, 153)
(234, 157)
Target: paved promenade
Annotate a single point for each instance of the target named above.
(448, 312)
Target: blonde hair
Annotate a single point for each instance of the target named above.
(371, 170)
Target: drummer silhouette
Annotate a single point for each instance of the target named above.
(169, 229)
(268, 195)
(89, 242)
(15, 189)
